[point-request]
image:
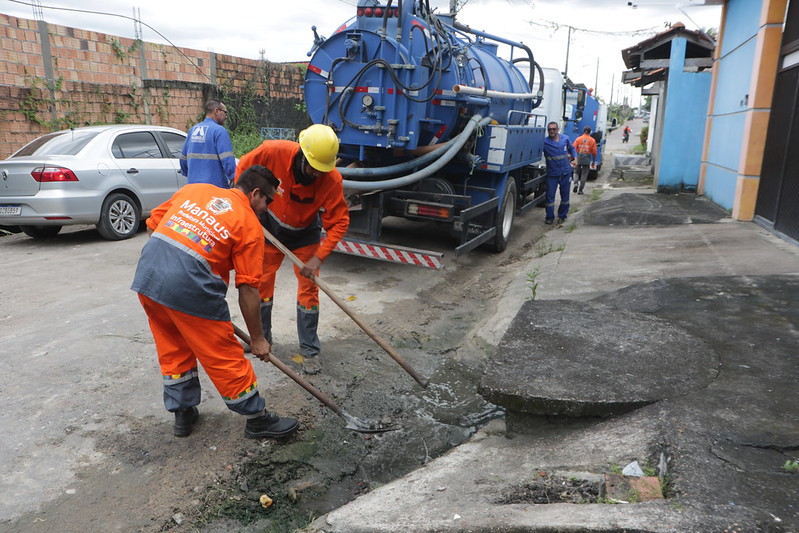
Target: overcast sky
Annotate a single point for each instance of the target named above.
(282, 29)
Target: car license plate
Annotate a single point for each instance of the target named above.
(10, 210)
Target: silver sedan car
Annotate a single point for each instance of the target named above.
(111, 176)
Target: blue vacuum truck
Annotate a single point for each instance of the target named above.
(580, 109)
(435, 126)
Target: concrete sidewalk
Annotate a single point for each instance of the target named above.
(665, 302)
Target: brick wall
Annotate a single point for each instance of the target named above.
(96, 78)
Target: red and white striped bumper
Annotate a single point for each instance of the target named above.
(393, 254)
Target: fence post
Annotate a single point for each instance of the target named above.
(47, 59)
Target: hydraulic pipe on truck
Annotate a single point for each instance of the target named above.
(461, 139)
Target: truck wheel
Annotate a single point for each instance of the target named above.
(40, 232)
(119, 217)
(505, 217)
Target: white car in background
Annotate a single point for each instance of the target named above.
(111, 176)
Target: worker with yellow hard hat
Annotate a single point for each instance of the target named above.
(310, 197)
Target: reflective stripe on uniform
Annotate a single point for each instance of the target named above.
(243, 395)
(180, 378)
(203, 156)
(185, 249)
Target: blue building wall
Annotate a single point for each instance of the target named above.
(742, 23)
(684, 124)
(735, 70)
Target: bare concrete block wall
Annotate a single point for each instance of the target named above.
(81, 77)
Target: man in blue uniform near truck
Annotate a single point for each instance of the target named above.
(207, 155)
(559, 154)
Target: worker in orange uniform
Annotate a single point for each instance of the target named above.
(585, 145)
(196, 238)
(310, 198)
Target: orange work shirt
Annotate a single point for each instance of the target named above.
(200, 235)
(297, 206)
(219, 225)
(586, 149)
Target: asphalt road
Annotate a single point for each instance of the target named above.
(78, 366)
(85, 436)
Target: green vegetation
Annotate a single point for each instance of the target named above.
(544, 247)
(532, 280)
(48, 104)
(791, 466)
(122, 52)
(244, 142)
(644, 135)
(678, 506)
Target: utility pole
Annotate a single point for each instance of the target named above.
(568, 44)
(596, 82)
(612, 87)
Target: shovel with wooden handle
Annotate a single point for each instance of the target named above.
(361, 425)
(363, 325)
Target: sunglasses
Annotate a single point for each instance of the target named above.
(269, 199)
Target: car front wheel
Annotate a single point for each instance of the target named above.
(119, 218)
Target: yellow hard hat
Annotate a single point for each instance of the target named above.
(320, 146)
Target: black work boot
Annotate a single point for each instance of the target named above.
(270, 425)
(184, 421)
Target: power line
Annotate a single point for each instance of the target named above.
(556, 26)
(40, 6)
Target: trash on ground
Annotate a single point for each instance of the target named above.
(633, 469)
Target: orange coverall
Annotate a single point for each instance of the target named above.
(296, 217)
(585, 145)
(200, 235)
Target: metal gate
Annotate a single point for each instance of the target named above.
(778, 195)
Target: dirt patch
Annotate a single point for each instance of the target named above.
(112, 462)
(552, 489)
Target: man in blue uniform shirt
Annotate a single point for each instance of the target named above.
(207, 155)
(559, 153)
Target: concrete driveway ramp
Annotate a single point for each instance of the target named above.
(578, 359)
(631, 209)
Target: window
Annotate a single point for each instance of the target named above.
(174, 142)
(139, 145)
(60, 143)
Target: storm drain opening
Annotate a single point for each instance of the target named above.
(554, 489)
(582, 488)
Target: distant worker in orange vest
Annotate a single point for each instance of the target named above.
(196, 238)
(625, 134)
(310, 198)
(586, 158)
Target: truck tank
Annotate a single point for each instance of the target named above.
(434, 125)
(385, 79)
